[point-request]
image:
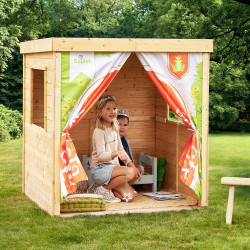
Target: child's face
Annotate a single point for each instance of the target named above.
(109, 112)
(123, 122)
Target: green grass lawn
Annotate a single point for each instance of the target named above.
(23, 225)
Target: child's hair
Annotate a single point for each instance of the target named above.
(100, 106)
(123, 113)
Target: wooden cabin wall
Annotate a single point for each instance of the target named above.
(170, 140)
(171, 137)
(135, 92)
(166, 141)
(38, 145)
(166, 147)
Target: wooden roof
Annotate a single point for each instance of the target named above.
(117, 45)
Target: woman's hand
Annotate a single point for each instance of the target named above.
(122, 156)
(138, 174)
(137, 171)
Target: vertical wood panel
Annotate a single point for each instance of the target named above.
(57, 133)
(45, 98)
(38, 143)
(162, 108)
(205, 129)
(31, 96)
(24, 116)
(166, 142)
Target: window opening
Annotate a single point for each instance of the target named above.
(38, 100)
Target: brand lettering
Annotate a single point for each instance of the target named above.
(82, 60)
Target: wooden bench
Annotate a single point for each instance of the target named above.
(143, 159)
(232, 182)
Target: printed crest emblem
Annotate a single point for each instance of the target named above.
(178, 64)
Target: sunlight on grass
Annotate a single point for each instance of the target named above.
(24, 225)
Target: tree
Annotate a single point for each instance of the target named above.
(96, 18)
(219, 20)
(62, 16)
(23, 20)
(9, 32)
(207, 19)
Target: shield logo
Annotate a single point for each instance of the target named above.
(178, 64)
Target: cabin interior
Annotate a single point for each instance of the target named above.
(150, 131)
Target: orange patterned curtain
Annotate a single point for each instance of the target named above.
(178, 77)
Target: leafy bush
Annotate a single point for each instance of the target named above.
(241, 126)
(10, 124)
(4, 134)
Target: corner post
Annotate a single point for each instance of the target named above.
(57, 132)
(24, 111)
(205, 130)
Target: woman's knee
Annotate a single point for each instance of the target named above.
(124, 192)
(131, 173)
(129, 197)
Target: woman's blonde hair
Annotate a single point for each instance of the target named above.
(100, 107)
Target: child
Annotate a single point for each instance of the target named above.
(123, 121)
(107, 148)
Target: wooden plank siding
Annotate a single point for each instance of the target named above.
(39, 126)
(166, 142)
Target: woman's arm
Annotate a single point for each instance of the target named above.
(120, 154)
(99, 144)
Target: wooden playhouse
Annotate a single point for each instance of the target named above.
(151, 130)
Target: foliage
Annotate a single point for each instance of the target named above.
(4, 134)
(62, 16)
(11, 84)
(95, 17)
(218, 20)
(9, 32)
(23, 20)
(23, 225)
(228, 97)
(10, 124)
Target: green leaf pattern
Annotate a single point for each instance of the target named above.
(196, 94)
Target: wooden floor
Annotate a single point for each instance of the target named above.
(142, 204)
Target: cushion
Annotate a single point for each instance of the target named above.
(83, 195)
(82, 203)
